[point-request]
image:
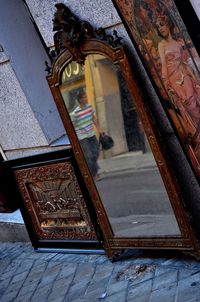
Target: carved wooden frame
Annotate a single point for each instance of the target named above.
(60, 172)
(113, 245)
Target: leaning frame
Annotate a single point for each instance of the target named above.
(143, 20)
(114, 245)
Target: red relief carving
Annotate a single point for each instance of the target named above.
(54, 202)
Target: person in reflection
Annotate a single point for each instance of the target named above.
(84, 120)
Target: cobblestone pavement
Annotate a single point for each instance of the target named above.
(29, 276)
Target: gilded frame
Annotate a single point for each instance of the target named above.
(114, 245)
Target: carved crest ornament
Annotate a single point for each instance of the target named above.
(70, 33)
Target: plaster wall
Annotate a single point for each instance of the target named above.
(19, 127)
(29, 118)
(196, 6)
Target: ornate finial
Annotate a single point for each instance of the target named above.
(48, 68)
(71, 33)
(117, 39)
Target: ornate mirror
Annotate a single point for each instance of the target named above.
(136, 197)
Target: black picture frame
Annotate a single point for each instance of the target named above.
(31, 163)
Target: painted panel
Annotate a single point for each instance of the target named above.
(54, 202)
(172, 62)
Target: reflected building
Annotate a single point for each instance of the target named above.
(110, 98)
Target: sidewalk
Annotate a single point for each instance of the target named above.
(128, 161)
(50, 277)
(142, 276)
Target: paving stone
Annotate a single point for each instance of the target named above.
(68, 257)
(9, 296)
(71, 258)
(160, 270)
(135, 291)
(76, 300)
(185, 273)
(3, 265)
(95, 294)
(59, 288)
(10, 270)
(24, 266)
(67, 270)
(103, 271)
(188, 295)
(75, 286)
(98, 282)
(60, 299)
(117, 287)
(181, 263)
(24, 298)
(19, 277)
(15, 254)
(3, 285)
(57, 257)
(119, 297)
(167, 294)
(84, 272)
(94, 285)
(189, 288)
(144, 297)
(41, 293)
(46, 256)
(32, 256)
(50, 275)
(76, 292)
(165, 279)
(38, 268)
(32, 279)
(28, 289)
(191, 280)
(101, 260)
(14, 286)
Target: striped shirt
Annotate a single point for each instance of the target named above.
(82, 119)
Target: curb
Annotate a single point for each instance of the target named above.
(13, 232)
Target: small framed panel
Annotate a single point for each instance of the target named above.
(55, 204)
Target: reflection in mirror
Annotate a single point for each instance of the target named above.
(126, 175)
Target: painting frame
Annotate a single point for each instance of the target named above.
(139, 19)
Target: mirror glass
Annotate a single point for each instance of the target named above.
(123, 167)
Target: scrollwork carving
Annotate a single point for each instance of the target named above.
(55, 203)
(70, 33)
